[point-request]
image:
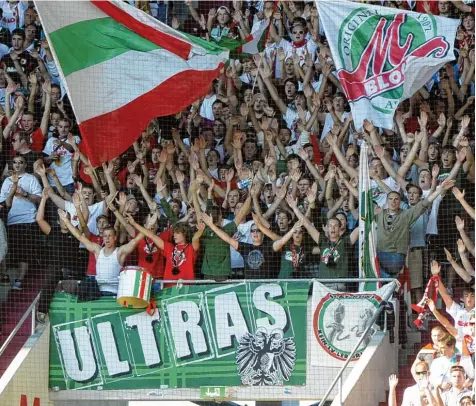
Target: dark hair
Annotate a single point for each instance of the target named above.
(184, 229)
(299, 21)
(336, 219)
(293, 156)
(23, 136)
(20, 32)
(101, 216)
(215, 214)
(468, 288)
(293, 81)
(19, 156)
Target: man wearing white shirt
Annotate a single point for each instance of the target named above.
(21, 192)
(59, 152)
(441, 366)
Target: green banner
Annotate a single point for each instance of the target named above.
(210, 335)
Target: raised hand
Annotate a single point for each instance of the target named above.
(436, 267)
(449, 257)
(435, 171)
(108, 168)
(442, 120)
(15, 178)
(296, 175)
(393, 381)
(465, 122)
(291, 201)
(207, 219)
(63, 215)
(431, 304)
(461, 155)
(122, 199)
(459, 223)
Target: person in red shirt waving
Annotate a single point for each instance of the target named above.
(179, 256)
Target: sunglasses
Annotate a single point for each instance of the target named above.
(256, 230)
(421, 372)
(298, 32)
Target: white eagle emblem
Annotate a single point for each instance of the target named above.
(265, 359)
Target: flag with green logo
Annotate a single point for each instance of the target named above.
(368, 261)
(384, 55)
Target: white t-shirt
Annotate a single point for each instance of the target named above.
(23, 211)
(291, 117)
(288, 47)
(12, 14)
(378, 195)
(329, 123)
(243, 234)
(411, 396)
(461, 318)
(206, 110)
(62, 168)
(440, 368)
(95, 210)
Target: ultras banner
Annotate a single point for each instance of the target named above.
(230, 335)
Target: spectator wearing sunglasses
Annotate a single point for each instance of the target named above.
(412, 393)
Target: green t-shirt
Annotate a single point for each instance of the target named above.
(340, 255)
(302, 257)
(216, 256)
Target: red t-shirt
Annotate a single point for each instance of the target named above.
(97, 239)
(146, 247)
(37, 140)
(185, 257)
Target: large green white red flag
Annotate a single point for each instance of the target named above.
(368, 262)
(384, 55)
(122, 68)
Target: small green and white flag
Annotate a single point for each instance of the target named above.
(368, 262)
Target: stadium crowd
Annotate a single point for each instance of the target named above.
(256, 180)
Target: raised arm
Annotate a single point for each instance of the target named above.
(146, 232)
(127, 226)
(196, 237)
(219, 232)
(435, 270)
(467, 241)
(460, 197)
(292, 202)
(128, 248)
(90, 246)
(265, 73)
(279, 244)
(340, 156)
(40, 214)
(442, 319)
(243, 211)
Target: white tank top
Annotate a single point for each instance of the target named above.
(107, 271)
